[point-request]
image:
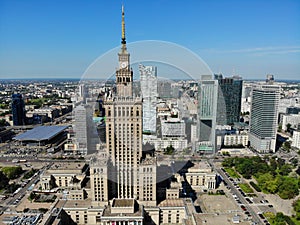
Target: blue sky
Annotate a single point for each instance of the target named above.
(61, 38)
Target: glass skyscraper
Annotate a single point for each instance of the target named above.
(229, 100)
(18, 110)
(207, 113)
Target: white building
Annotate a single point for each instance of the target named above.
(163, 143)
(201, 177)
(173, 127)
(263, 117)
(236, 139)
(296, 139)
(293, 119)
(149, 93)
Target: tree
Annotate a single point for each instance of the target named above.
(3, 123)
(279, 219)
(288, 126)
(289, 188)
(169, 150)
(12, 172)
(296, 207)
(4, 180)
(285, 170)
(287, 145)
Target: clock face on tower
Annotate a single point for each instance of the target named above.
(123, 64)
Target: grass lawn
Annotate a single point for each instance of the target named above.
(297, 222)
(232, 173)
(246, 188)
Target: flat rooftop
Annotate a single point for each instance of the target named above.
(67, 166)
(172, 203)
(41, 133)
(123, 203)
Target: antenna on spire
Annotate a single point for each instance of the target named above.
(123, 26)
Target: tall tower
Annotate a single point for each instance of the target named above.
(124, 74)
(149, 93)
(229, 99)
(18, 110)
(207, 113)
(263, 118)
(132, 175)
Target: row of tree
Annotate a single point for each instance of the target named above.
(273, 175)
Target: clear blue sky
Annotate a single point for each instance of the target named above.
(60, 38)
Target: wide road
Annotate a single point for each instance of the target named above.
(236, 192)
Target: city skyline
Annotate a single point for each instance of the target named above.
(60, 40)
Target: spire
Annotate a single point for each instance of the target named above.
(123, 27)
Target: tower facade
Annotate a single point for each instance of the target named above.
(18, 110)
(229, 100)
(207, 113)
(148, 75)
(263, 117)
(131, 175)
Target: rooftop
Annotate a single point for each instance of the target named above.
(41, 133)
(123, 203)
(172, 203)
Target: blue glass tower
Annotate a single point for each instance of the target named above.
(18, 110)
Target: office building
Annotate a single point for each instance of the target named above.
(207, 113)
(18, 110)
(296, 139)
(85, 132)
(80, 129)
(229, 100)
(148, 75)
(263, 118)
(290, 121)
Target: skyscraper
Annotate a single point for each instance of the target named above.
(263, 118)
(207, 113)
(229, 100)
(149, 93)
(131, 175)
(18, 110)
(123, 176)
(80, 129)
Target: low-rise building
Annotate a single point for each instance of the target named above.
(236, 140)
(65, 176)
(293, 120)
(296, 139)
(201, 177)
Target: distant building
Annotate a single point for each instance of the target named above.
(270, 79)
(229, 100)
(292, 110)
(296, 139)
(6, 134)
(207, 113)
(43, 136)
(236, 140)
(18, 110)
(173, 127)
(178, 143)
(293, 120)
(148, 76)
(86, 137)
(80, 129)
(263, 118)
